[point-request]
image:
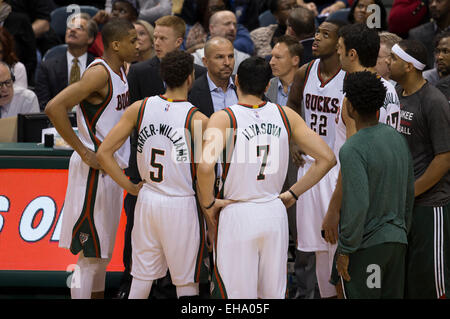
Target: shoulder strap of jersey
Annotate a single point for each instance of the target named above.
(141, 114)
(285, 120)
(308, 70)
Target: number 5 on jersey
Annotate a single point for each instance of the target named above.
(156, 176)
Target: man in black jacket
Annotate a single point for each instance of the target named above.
(144, 80)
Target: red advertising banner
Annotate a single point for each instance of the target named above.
(30, 208)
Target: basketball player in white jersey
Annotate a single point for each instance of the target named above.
(93, 201)
(358, 48)
(168, 231)
(252, 232)
(317, 94)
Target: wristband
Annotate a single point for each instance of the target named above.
(293, 194)
(211, 205)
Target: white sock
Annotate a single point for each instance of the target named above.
(188, 290)
(89, 276)
(140, 289)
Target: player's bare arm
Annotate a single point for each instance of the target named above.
(294, 102)
(331, 220)
(214, 143)
(438, 167)
(112, 142)
(296, 92)
(314, 146)
(93, 87)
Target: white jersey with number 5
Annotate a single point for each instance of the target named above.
(321, 101)
(164, 155)
(257, 155)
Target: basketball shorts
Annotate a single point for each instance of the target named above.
(312, 207)
(251, 251)
(91, 211)
(168, 233)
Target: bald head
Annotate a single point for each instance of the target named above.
(215, 43)
(223, 24)
(219, 59)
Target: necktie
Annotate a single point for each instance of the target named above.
(74, 71)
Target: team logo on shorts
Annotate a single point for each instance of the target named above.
(83, 238)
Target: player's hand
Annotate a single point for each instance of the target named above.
(342, 266)
(101, 17)
(312, 7)
(297, 157)
(330, 225)
(287, 199)
(135, 188)
(212, 218)
(90, 159)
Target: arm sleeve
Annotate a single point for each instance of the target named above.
(438, 121)
(42, 88)
(243, 40)
(152, 10)
(133, 85)
(401, 18)
(355, 201)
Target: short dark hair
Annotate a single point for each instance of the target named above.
(415, 49)
(364, 40)
(440, 36)
(294, 47)
(254, 74)
(338, 23)
(115, 30)
(175, 68)
(365, 91)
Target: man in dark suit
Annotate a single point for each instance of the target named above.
(215, 90)
(57, 72)
(144, 80)
(425, 33)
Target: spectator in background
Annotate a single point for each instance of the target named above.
(8, 55)
(442, 56)
(425, 33)
(360, 13)
(152, 10)
(407, 14)
(222, 24)
(264, 37)
(19, 26)
(145, 40)
(123, 9)
(443, 64)
(56, 73)
(14, 100)
(38, 12)
(387, 41)
(301, 25)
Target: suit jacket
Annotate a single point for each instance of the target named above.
(144, 79)
(272, 91)
(200, 95)
(425, 33)
(52, 77)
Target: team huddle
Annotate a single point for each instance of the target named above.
(370, 176)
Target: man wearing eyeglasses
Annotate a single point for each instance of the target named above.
(14, 100)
